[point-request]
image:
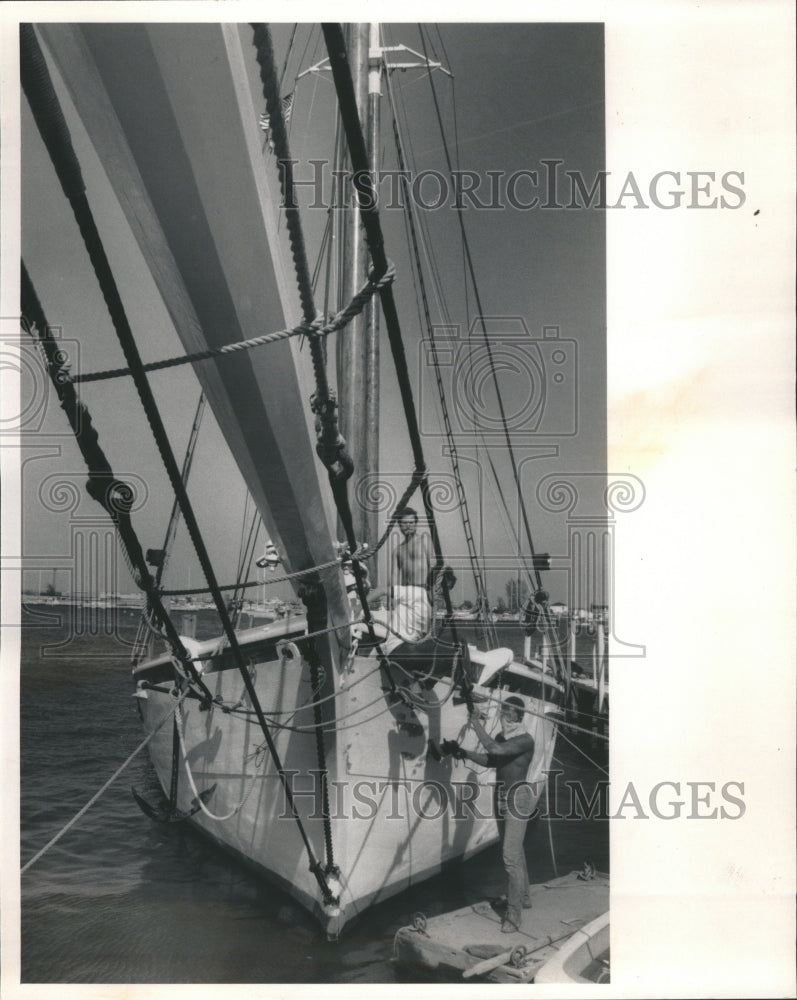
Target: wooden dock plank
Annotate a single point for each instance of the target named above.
(458, 940)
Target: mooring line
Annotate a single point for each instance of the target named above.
(104, 788)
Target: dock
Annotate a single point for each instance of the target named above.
(468, 943)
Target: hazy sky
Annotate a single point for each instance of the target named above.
(523, 93)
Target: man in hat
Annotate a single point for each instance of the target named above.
(510, 753)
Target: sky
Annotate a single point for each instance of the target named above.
(523, 94)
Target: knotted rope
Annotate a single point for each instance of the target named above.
(316, 328)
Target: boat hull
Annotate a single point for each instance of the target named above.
(397, 814)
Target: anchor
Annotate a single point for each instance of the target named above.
(168, 812)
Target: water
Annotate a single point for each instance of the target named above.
(120, 899)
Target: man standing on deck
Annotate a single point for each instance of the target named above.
(510, 754)
(410, 566)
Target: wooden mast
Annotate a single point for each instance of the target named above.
(358, 347)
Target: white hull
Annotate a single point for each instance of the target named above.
(398, 815)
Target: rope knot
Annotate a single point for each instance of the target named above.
(362, 552)
(387, 278)
(317, 326)
(115, 495)
(330, 443)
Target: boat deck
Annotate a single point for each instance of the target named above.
(469, 943)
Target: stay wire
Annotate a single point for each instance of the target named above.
(434, 271)
(461, 495)
(477, 295)
(113, 495)
(287, 56)
(140, 646)
(458, 161)
(586, 756)
(499, 397)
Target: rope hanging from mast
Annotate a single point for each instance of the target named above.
(53, 128)
(331, 445)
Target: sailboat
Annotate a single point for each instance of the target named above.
(301, 746)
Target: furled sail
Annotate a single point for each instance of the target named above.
(154, 99)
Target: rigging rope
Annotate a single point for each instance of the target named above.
(583, 754)
(140, 646)
(362, 556)
(499, 397)
(331, 446)
(287, 55)
(550, 829)
(313, 329)
(369, 214)
(178, 718)
(105, 787)
(246, 552)
(311, 571)
(479, 581)
(113, 495)
(49, 118)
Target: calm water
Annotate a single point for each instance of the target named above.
(120, 899)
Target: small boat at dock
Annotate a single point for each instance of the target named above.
(584, 958)
(468, 943)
